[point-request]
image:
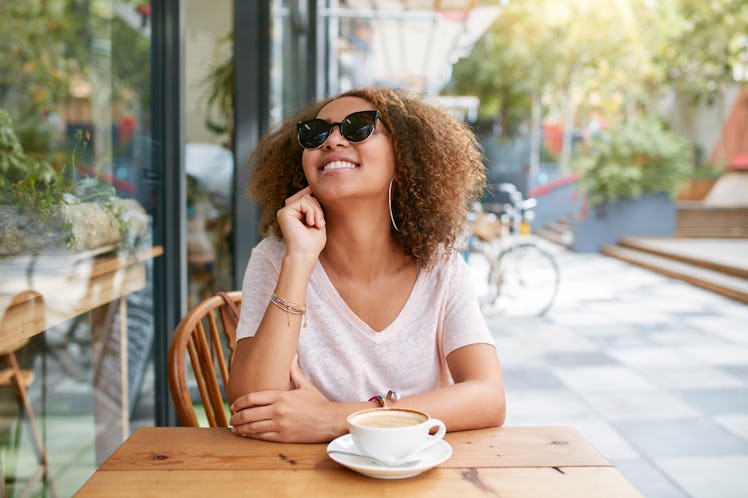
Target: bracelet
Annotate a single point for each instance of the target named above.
(379, 399)
(382, 400)
(289, 307)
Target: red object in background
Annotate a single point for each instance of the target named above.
(544, 189)
(144, 10)
(554, 137)
(125, 129)
(732, 146)
(739, 162)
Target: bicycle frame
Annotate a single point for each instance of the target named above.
(519, 271)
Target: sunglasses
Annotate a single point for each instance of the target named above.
(355, 128)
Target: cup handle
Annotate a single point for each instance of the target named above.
(441, 431)
(435, 438)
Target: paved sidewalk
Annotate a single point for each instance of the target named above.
(651, 370)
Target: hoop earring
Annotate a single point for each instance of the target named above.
(389, 203)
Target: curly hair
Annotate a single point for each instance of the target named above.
(439, 171)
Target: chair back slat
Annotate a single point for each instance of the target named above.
(229, 320)
(205, 337)
(200, 379)
(215, 398)
(217, 346)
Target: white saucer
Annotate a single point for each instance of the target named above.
(429, 458)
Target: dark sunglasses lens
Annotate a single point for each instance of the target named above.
(313, 133)
(358, 126)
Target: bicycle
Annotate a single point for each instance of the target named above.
(522, 277)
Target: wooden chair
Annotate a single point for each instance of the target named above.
(199, 338)
(19, 379)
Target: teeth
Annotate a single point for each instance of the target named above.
(338, 165)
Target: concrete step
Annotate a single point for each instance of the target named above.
(559, 227)
(734, 287)
(564, 239)
(720, 254)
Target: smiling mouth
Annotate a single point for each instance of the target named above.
(338, 165)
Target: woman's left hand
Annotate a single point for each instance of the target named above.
(302, 415)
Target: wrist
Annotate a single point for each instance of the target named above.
(300, 262)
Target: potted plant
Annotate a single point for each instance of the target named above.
(630, 177)
(45, 210)
(702, 179)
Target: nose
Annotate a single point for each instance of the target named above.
(335, 137)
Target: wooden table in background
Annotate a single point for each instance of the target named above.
(67, 285)
(508, 462)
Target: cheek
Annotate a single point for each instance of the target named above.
(307, 162)
(387, 158)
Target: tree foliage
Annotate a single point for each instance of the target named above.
(705, 47)
(609, 57)
(51, 46)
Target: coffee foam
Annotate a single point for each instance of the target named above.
(388, 417)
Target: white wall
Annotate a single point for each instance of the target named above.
(702, 123)
(207, 23)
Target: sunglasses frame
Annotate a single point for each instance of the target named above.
(340, 125)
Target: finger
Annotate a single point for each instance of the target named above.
(255, 427)
(250, 415)
(312, 209)
(310, 213)
(298, 195)
(297, 376)
(257, 398)
(306, 209)
(320, 217)
(266, 436)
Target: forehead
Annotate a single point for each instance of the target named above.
(340, 108)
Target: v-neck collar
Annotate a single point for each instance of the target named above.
(336, 300)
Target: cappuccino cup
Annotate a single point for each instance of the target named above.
(393, 434)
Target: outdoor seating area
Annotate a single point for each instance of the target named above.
(374, 248)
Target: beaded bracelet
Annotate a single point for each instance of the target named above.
(289, 307)
(382, 400)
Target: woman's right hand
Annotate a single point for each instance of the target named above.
(302, 223)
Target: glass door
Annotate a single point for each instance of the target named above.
(76, 251)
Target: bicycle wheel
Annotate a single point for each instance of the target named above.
(524, 280)
(478, 255)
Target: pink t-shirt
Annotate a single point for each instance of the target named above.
(345, 358)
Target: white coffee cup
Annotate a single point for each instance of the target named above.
(392, 434)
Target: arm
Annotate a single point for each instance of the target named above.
(475, 400)
(304, 415)
(302, 223)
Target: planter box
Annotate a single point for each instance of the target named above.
(696, 190)
(652, 215)
(73, 227)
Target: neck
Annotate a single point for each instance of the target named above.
(360, 244)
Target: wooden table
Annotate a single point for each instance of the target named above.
(508, 462)
(67, 285)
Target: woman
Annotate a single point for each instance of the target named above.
(357, 291)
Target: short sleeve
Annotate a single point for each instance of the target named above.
(260, 279)
(464, 322)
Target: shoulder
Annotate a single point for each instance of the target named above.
(269, 251)
(448, 261)
(447, 267)
(270, 246)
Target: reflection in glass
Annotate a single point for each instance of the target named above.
(75, 229)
